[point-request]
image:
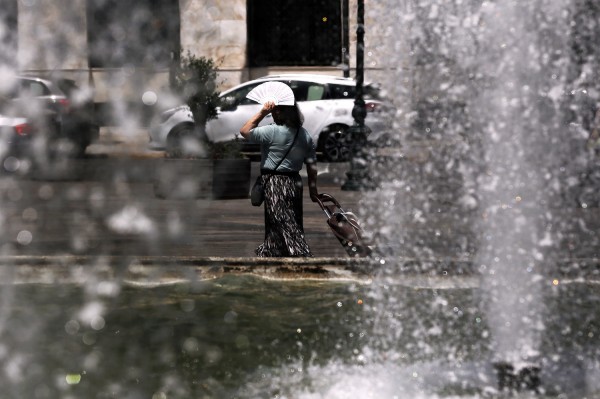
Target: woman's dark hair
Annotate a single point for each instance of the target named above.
(290, 115)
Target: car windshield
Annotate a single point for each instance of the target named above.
(338, 92)
(33, 88)
(238, 97)
(306, 91)
(27, 88)
(341, 91)
(372, 92)
(303, 91)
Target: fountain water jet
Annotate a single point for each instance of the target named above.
(485, 154)
(487, 90)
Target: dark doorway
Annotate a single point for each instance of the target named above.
(296, 33)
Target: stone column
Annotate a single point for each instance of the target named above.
(52, 35)
(376, 25)
(217, 30)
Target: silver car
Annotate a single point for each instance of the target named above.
(20, 129)
(325, 101)
(68, 109)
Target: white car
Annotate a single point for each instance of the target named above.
(325, 101)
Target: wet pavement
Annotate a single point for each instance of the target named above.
(105, 207)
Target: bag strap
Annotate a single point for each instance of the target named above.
(288, 150)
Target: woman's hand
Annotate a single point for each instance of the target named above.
(311, 170)
(253, 122)
(268, 107)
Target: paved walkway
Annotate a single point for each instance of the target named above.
(109, 213)
(106, 205)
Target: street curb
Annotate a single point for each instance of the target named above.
(179, 260)
(169, 269)
(164, 269)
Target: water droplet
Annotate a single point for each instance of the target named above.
(24, 237)
(149, 98)
(72, 327)
(30, 215)
(73, 379)
(98, 323)
(89, 338)
(187, 305)
(46, 192)
(191, 345)
(230, 317)
(11, 164)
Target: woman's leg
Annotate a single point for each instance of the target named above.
(284, 233)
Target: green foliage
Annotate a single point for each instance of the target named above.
(195, 80)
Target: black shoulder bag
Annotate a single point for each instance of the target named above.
(257, 193)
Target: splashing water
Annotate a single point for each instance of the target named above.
(485, 93)
(490, 111)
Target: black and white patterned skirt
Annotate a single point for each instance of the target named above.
(284, 229)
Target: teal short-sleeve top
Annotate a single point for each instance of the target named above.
(274, 142)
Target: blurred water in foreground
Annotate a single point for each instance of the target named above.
(494, 102)
(248, 337)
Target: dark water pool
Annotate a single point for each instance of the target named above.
(249, 337)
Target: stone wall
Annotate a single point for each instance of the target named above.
(375, 33)
(217, 29)
(52, 35)
(53, 38)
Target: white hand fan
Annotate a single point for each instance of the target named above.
(278, 92)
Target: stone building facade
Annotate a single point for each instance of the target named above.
(83, 40)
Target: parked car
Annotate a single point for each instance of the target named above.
(325, 101)
(19, 129)
(69, 109)
(170, 130)
(15, 135)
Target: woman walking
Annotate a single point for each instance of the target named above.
(285, 146)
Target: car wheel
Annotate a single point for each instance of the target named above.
(183, 142)
(334, 143)
(77, 147)
(86, 134)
